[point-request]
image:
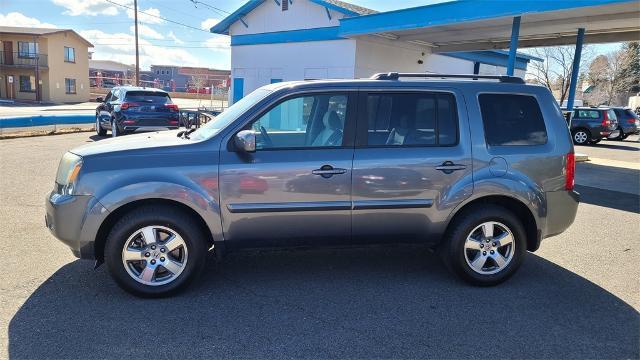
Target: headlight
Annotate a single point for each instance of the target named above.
(68, 171)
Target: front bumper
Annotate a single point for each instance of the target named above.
(74, 220)
(562, 207)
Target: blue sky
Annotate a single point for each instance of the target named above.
(110, 27)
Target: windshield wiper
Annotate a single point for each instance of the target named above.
(185, 133)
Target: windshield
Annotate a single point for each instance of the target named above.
(230, 115)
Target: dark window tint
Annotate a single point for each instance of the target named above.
(512, 120)
(285, 5)
(148, 96)
(411, 119)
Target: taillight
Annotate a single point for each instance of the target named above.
(126, 105)
(605, 119)
(570, 171)
(631, 120)
(172, 107)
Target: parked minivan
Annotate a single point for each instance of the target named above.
(480, 168)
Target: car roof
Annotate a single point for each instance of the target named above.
(139, 88)
(476, 85)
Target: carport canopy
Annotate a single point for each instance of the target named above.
(466, 25)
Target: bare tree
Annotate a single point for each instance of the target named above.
(608, 76)
(556, 68)
(198, 81)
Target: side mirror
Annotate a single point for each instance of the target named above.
(100, 99)
(245, 140)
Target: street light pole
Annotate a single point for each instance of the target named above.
(135, 16)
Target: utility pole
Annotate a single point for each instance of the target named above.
(135, 16)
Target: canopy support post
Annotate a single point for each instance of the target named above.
(575, 70)
(513, 49)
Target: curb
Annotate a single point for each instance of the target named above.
(582, 157)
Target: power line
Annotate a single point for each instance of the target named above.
(215, 9)
(175, 10)
(159, 17)
(166, 46)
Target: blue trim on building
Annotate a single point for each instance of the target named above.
(453, 12)
(223, 26)
(40, 120)
(280, 37)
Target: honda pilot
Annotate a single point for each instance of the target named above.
(480, 168)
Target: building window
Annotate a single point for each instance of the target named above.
(27, 49)
(27, 83)
(70, 86)
(285, 5)
(157, 72)
(69, 54)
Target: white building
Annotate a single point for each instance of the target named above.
(283, 40)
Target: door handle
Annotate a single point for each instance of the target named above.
(448, 167)
(328, 171)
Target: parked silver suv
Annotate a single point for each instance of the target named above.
(480, 168)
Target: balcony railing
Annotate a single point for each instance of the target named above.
(23, 59)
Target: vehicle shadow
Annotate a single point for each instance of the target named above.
(96, 137)
(378, 302)
(609, 145)
(609, 198)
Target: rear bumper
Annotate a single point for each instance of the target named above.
(562, 207)
(74, 220)
(148, 128)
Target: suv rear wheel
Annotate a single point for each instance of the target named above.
(485, 246)
(155, 251)
(581, 136)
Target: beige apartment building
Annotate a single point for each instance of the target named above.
(49, 65)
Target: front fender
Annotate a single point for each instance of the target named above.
(198, 200)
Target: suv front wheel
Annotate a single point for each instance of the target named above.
(155, 251)
(485, 246)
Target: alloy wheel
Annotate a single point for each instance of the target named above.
(155, 255)
(580, 137)
(114, 129)
(489, 248)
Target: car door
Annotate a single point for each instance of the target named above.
(103, 108)
(412, 164)
(296, 187)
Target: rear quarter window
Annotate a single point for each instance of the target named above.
(512, 120)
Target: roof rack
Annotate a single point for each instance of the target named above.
(396, 76)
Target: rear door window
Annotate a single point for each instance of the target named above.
(148, 97)
(512, 120)
(411, 119)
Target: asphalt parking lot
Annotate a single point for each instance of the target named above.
(577, 297)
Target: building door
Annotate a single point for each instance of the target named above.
(7, 47)
(238, 89)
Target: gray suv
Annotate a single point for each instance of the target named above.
(481, 169)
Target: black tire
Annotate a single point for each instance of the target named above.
(620, 136)
(580, 139)
(99, 129)
(115, 132)
(156, 215)
(452, 250)
(593, 142)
